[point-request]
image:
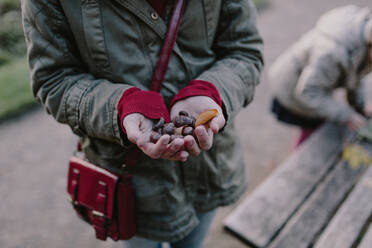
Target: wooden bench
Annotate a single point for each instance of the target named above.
(314, 199)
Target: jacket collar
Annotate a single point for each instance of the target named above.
(143, 10)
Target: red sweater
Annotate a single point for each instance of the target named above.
(158, 5)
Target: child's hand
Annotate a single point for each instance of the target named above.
(195, 106)
(356, 121)
(368, 109)
(139, 129)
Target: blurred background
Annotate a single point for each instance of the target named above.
(34, 149)
(15, 96)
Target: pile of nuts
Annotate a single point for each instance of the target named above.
(182, 125)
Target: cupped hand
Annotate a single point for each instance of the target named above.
(195, 105)
(139, 128)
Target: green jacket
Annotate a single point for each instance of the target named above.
(84, 54)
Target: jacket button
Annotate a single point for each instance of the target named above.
(154, 16)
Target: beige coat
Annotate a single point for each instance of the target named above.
(332, 55)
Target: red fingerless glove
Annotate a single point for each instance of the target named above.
(148, 103)
(198, 88)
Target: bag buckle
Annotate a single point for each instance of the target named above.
(75, 203)
(98, 214)
(99, 220)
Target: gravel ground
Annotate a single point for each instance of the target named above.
(34, 211)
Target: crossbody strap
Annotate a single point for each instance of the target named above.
(162, 66)
(166, 51)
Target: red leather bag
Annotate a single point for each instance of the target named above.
(103, 199)
(106, 200)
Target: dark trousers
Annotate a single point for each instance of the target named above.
(307, 125)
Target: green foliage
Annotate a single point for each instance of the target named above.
(260, 3)
(15, 92)
(11, 33)
(8, 5)
(5, 57)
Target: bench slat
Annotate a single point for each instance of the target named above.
(345, 228)
(261, 216)
(318, 210)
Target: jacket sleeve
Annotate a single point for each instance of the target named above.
(238, 46)
(316, 86)
(59, 78)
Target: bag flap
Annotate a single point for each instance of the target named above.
(92, 186)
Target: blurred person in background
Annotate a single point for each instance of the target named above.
(336, 53)
(91, 66)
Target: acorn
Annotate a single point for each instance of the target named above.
(182, 120)
(154, 137)
(158, 124)
(168, 128)
(182, 125)
(188, 131)
(184, 113)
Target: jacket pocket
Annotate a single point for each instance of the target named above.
(94, 33)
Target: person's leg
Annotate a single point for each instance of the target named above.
(137, 242)
(196, 238)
